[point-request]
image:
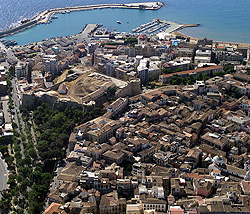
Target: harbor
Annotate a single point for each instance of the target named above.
(45, 17)
(73, 23)
(159, 25)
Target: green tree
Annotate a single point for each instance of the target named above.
(131, 40)
(12, 182)
(32, 153)
(112, 91)
(3, 149)
(12, 70)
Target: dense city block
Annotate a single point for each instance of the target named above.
(107, 122)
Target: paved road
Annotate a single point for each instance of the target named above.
(33, 135)
(10, 55)
(3, 174)
(54, 184)
(15, 95)
(3, 48)
(16, 100)
(84, 35)
(7, 115)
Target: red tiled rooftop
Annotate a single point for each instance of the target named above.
(191, 71)
(174, 210)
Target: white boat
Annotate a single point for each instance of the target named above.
(54, 17)
(118, 22)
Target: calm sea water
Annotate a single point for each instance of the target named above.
(221, 20)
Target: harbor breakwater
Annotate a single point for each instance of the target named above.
(45, 16)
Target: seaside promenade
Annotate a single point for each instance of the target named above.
(45, 16)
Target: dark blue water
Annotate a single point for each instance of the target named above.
(221, 20)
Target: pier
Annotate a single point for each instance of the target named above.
(145, 26)
(19, 28)
(89, 28)
(156, 26)
(44, 17)
(154, 29)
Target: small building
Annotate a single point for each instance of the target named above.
(117, 106)
(193, 157)
(114, 156)
(215, 140)
(155, 204)
(247, 165)
(230, 105)
(134, 209)
(202, 187)
(142, 39)
(245, 185)
(110, 204)
(62, 89)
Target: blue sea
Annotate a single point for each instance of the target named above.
(221, 20)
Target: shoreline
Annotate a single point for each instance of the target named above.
(45, 16)
(178, 33)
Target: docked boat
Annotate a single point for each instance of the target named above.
(54, 17)
(118, 22)
(8, 43)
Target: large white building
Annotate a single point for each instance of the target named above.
(182, 63)
(91, 48)
(248, 54)
(153, 72)
(51, 66)
(202, 56)
(110, 68)
(142, 70)
(21, 69)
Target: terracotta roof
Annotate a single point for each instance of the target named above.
(54, 208)
(245, 186)
(174, 210)
(194, 175)
(191, 71)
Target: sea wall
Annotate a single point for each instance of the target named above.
(19, 28)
